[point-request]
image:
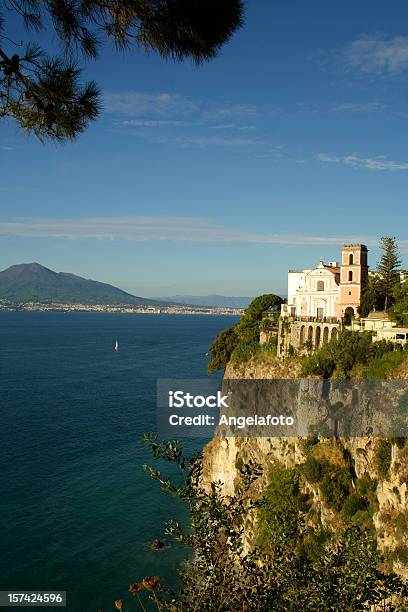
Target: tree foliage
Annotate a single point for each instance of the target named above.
(248, 326)
(242, 338)
(339, 356)
(388, 267)
(373, 296)
(222, 348)
(222, 576)
(399, 310)
(380, 290)
(44, 94)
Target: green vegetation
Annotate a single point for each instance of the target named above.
(328, 468)
(44, 95)
(241, 341)
(388, 267)
(354, 353)
(248, 326)
(380, 291)
(399, 310)
(335, 487)
(382, 366)
(222, 348)
(383, 457)
(344, 575)
(354, 504)
(282, 508)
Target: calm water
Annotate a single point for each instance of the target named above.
(77, 510)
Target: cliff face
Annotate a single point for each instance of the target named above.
(383, 464)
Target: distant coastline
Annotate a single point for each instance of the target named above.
(8, 306)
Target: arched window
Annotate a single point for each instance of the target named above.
(320, 286)
(350, 276)
(348, 315)
(351, 259)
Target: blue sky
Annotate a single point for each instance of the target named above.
(217, 179)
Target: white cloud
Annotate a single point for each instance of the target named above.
(374, 55)
(133, 103)
(154, 228)
(209, 141)
(379, 163)
(232, 126)
(233, 110)
(151, 123)
(198, 142)
(354, 107)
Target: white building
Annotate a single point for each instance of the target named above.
(330, 290)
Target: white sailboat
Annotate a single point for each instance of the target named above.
(116, 345)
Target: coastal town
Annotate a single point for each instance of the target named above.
(6, 305)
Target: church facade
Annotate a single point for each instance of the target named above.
(330, 291)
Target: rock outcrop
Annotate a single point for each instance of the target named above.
(381, 464)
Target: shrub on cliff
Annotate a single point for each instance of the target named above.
(281, 510)
(382, 457)
(338, 357)
(335, 488)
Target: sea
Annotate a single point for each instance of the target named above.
(77, 509)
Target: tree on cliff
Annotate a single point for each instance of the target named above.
(399, 310)
(44, 95)
(389, 267)
(245, 333)
(222, 348)
(248, 327)
(379, 292)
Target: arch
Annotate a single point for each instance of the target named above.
(302, 336)
(348, 315)
(325, 335)
(350, 276)
(318, 336)
(320, 285)
(334, 334)
(310, 333)
(351, 259)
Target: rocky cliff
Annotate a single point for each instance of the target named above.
(370, 474)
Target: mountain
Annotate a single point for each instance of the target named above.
(221, 301)
(33, 282)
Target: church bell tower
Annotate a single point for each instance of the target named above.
(353, 278)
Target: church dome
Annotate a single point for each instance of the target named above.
(376, 315)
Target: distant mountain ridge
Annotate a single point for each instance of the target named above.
(33, 282)
(214, 300)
